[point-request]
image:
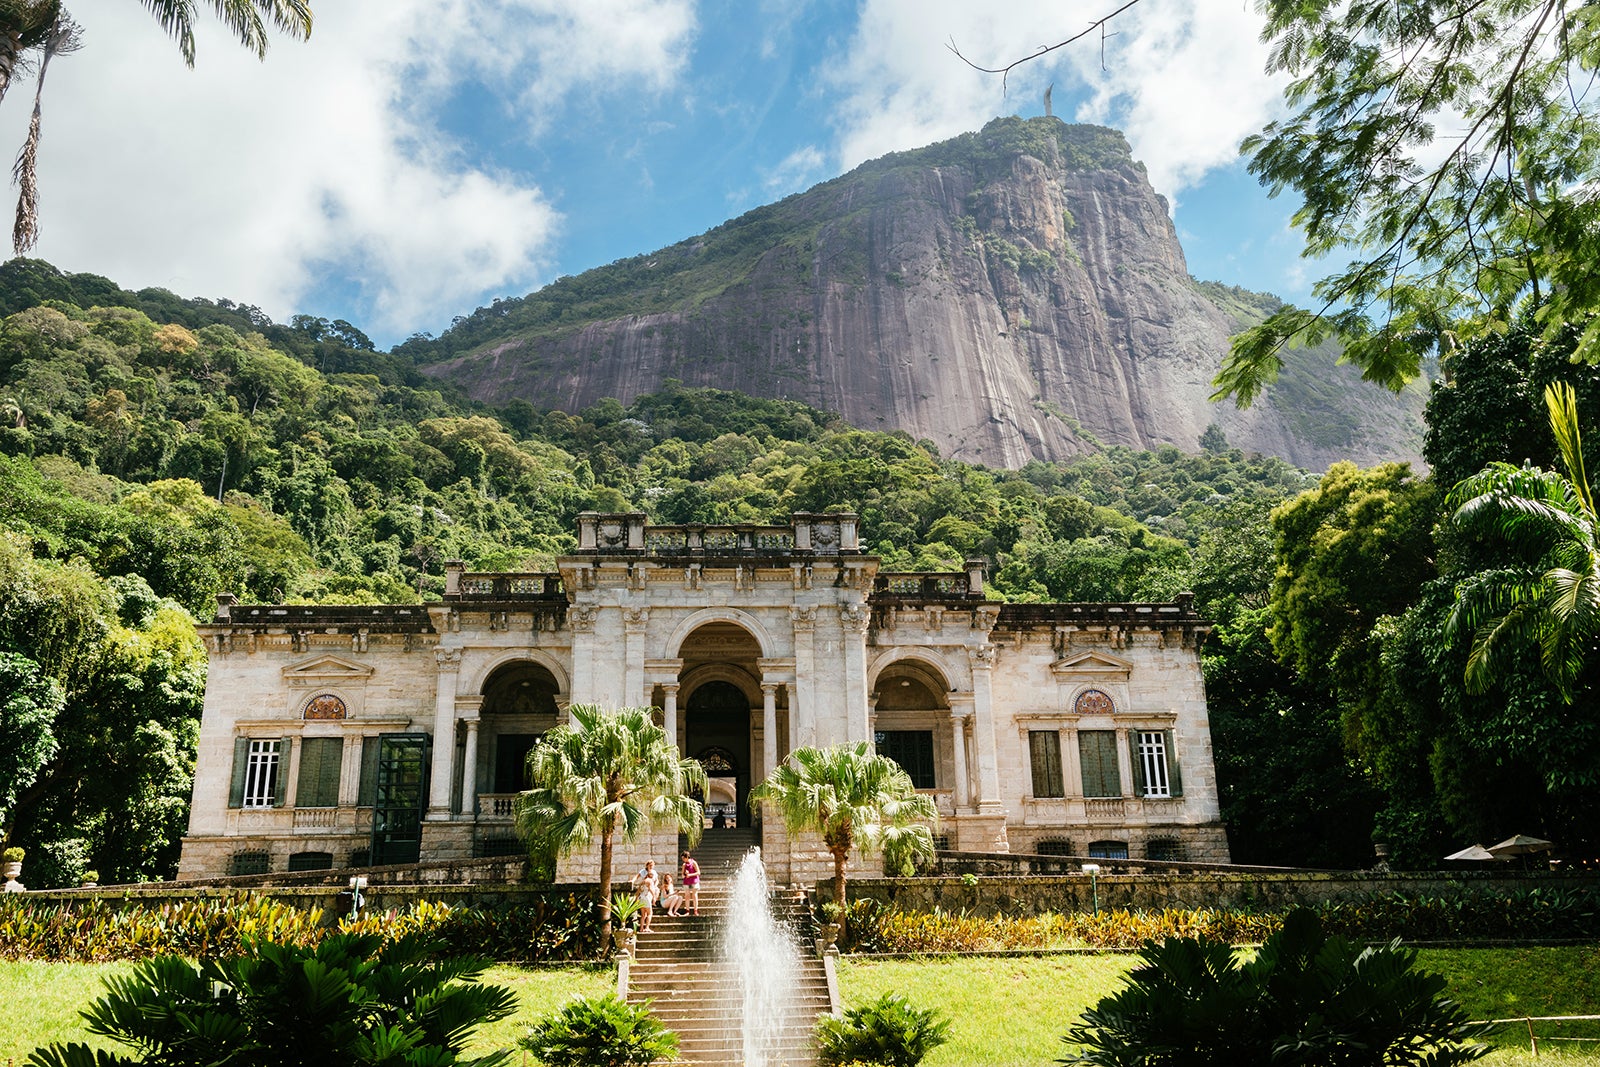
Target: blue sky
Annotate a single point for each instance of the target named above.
(418, 158)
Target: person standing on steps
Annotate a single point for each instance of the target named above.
(646, 886)
(691, 882)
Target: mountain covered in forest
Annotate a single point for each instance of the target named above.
(1010, 295)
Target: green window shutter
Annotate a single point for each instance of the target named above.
(1097, 752)
(1044, 753)
(280, 771)
(367, 791)
(1138, 763)
(1174, 778)
(318, 785)
(241, 756)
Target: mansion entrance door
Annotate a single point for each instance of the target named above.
(717, 732)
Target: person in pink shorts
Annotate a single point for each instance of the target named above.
(691, 882)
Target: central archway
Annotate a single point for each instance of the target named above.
(717, 733)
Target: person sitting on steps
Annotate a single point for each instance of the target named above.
(672, 900)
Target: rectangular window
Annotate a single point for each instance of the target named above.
(1152, 753)
(913, 750)
(318, 783)
(1097, 752)
(1044, 752)
(261, 774)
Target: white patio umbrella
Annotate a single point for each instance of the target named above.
(1520, 845)
(1475, 852)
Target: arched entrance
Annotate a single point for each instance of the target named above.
(519, 707)
(717, 733)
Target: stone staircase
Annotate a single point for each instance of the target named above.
(676, 968)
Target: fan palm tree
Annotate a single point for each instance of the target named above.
(45, 28)
(852, 797)
(1551, 598)
(609, 772)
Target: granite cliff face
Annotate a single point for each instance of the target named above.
(1014, 294)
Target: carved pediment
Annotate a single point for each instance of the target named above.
(1093, 664)
(327, 670)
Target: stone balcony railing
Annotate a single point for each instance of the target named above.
(496, 807)
(504, 585)
(805, 535)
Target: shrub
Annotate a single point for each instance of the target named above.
(889, 1031)
(601, 1032)
(1306, 999)
(350, 1000)
(12, 855)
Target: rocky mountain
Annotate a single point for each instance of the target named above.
(1013, 294)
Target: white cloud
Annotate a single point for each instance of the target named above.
(247, 179)
(1185, 86)
(796, 171)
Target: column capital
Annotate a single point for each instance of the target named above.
(447, 659)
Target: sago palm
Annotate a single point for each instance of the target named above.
(1548, 596)
(606, 773)
(852, 797)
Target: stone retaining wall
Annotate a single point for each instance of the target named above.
(1037, 894)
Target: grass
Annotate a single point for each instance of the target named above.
(1007, 1011)
(1012, 1011)
(42, 1000)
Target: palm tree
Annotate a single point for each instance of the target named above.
(851, 796)
(1552, 598)
(45, 28)
(607, 772)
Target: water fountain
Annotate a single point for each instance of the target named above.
(764, 961)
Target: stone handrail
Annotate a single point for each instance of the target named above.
(511, 586)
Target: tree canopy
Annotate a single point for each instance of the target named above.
(1450, 148)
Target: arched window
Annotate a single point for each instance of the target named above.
(325, 706)
(251, 862)
(1166, 848)
(1108, 850)
(1093, 702)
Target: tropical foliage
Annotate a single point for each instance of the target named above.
(1305, 998)
(1548, 522)
(1438, 142)
(607, 773)
(351, 999)
(852, 797)
(890, 1031)
(601, 1032)
(538, 926)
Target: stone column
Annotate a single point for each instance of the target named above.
(854, 619)
(1125, 763)
(469, 771)
(802, 726)
(635, 621)
(444, 732)
(669, 711)
(982, 658)
(769, 727)
(959, 723)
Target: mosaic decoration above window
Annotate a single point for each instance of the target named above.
(1093, 702)
(326, 706)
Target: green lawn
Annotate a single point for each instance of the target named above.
(1007, 1011)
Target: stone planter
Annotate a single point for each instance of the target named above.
(12, 871)
(827, 937)
(627, 938)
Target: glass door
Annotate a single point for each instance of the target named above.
(400, 798)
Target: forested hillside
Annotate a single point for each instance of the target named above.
(155, 451)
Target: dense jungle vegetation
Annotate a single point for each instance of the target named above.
(155, 451)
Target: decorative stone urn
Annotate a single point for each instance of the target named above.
(626, 938)
(12, 871)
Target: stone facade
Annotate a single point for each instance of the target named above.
(348, 735)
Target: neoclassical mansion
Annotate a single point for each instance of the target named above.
(349, 736)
